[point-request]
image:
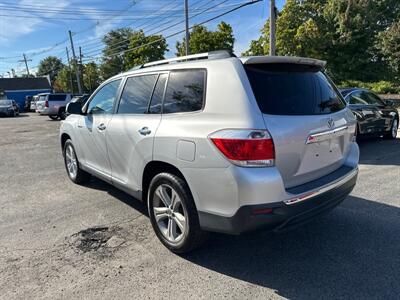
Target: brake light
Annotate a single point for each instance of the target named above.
(246, 148)
(46, 103)
(353, 137)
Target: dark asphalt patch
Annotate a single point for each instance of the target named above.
(98, 239)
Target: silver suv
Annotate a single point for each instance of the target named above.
(213, 142)
(53, 105)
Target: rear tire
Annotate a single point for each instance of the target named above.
(62, 114)
(53, 117)
(177, 223)
(75, 173)
(392, 134)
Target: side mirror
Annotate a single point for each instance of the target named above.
(389, 102)
(74, 108)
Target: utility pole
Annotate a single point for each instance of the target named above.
(80, 63)
(71, 85)
(78, 77)
(26, 63)
(272, 27)
(187, 51)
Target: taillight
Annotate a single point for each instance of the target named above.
(46, 103)
(353, 137)
(246, 148)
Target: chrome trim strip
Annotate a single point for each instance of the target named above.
(323, 189)
(325, 135)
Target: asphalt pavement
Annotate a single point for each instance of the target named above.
(59, 240)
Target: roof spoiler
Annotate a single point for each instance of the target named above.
(283, 60)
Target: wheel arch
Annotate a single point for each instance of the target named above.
(64, 138)
(153, 168)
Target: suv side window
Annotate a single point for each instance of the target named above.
(158, 95)
(103, 101)
(136, 95)
(185, 91)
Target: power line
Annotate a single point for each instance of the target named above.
(99, 40)
(165, 28)
(96, 49)
(181, 31)
(63, 42)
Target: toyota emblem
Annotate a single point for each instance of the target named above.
(331, 123)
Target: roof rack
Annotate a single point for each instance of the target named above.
(208, 55)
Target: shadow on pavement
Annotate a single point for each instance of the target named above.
(118, 194)
(353, 252)
(377, 151)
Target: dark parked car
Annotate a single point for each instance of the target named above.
(28, 103)
(80, 99)
(9, 108)
(374, 115)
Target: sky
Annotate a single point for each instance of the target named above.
(39, 28)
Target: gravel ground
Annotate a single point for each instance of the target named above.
(61, 241)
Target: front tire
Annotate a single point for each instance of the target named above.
(75, 173)
(173, 214)
(392, 134)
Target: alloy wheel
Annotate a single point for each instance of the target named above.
(71, 162)
(169, 213)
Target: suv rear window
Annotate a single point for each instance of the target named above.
(57, 97)
(288, 89)
(185, 91)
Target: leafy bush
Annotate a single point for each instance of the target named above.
(380, 87)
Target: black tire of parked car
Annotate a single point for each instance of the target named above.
(82, 176)
(389, 134)
(53, 117)
(194, 236)
(62, 114)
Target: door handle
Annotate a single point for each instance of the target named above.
(144, 131)
(101, 127)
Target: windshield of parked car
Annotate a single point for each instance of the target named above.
(5, 102)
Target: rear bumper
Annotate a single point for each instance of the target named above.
(48, 111)
(7, 113)
(284, 215)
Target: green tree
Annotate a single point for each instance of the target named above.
(389, 45)
(91, 77)
(155, 50)
(343, 32)
(51, 65)
(204, 40)
(116, 43)
(65, 77)
(62, 83)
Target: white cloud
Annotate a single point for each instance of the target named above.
(11, 28)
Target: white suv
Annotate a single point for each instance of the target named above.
(217, 143)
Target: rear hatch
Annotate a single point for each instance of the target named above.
(40, 103)
(305, 116)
